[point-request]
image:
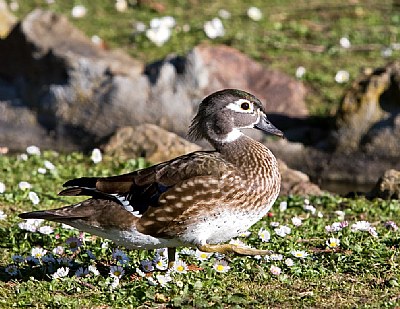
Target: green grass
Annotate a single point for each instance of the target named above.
(362, 272)
(291, 34)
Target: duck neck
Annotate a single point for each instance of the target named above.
(246, 152)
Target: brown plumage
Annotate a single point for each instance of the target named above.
(200, 199)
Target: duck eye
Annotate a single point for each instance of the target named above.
(245, 106)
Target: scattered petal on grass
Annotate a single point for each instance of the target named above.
(46, 229)
(300, 72)
(120, 256)
(64, 261)
(140, 26)
(264, 235)
(34, 198)
(96, 156)
(180, 267)
(372, 231)
(12, 270)
(60, 273)
(245, 234)
(283, 206)
(33, 150)
(140, 273)
(289, 262)
(221, 266)
(203, 256)
(283, 230)
(333, 242)
(161, 262)
(93, 270)
(116, 271)
(121, 5)
(30, 225)
(163, 279)
(224, 14)
(42, 170)
(23, 157)
(96, 40)
(275, 270)
(391, 225)
(188, 251)
(297, 221)
(32, 260)
(342, 77)
(159, 35)
(345, 42)
(147, 266)
(38, 252)
(2, 187)
(276, 257)
(81, 272)
(151, 281)
(299, 254)
(3, 216)
(18, 259)
(336, 226)
(78, 11)
(386, 52)
(50, 166)
(340, 214)
(48, 258)
(115, 282)
(360, 226)
(214, 28)
(274, 224)
(73, 243)
(91, 255)
(59, 250)
(254, 13)
(309, 208)
(24, 185)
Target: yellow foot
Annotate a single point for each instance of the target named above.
(232, 248)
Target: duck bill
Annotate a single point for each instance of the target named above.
(266, 126)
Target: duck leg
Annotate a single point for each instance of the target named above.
(171, 257)
(231, 248)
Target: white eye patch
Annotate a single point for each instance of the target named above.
(241, 106)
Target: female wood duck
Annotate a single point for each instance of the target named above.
(201, 199)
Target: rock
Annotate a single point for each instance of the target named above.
(387, 187)
(296, 182)
(68, 82)
(148, 141)
(368, 117)
(226, 67)
(80, 93)
(7, 19)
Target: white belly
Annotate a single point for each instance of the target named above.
(220, 228)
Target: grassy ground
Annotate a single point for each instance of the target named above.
(290, 34)
(362, 271)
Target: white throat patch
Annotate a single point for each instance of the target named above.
(232, 136)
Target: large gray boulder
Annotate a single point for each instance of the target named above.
(368, 119)
(75, 94)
